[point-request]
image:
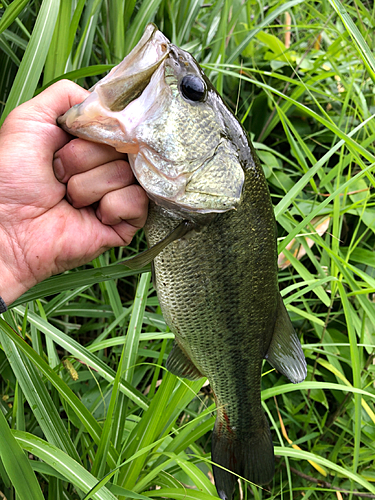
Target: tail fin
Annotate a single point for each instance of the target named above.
(251, 458)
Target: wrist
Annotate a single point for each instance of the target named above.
(10, 287)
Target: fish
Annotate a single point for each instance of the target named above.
(211, 236)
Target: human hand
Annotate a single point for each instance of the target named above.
(41, 233)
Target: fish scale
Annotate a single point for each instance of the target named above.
(212, 239)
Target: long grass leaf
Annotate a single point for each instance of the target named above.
(11, 13)
(71, 470)
(34, 58)
(83, 354)
(17, 465)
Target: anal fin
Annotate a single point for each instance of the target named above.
(181, 365)
(285, 352)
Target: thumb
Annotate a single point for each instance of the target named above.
(38, 116)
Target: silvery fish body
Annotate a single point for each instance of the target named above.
(212, 238)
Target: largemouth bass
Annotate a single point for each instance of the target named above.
(212, 238)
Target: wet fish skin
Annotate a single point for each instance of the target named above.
(217, 282)
(214, 288)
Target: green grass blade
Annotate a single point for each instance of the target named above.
(145, 15)
(34, 58)
(37, 396)
(125, 371)
(305, 455)
(71, 470)
(11, 13)
(180, 494)
(59, 50)
(83, 354)
(134, 328)
(356, 368)
(363, 49)
(265, 22)
(68, 281)
(87, 419)
(17, 465)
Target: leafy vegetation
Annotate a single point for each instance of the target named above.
(84, 390)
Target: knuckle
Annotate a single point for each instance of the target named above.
(74, 188)
(123, 172)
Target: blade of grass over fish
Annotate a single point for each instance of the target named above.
(17, 465)
(34, 58)
(37, 396)
(68, 281)
(11, 13)
(74, 402)
(83, 354)
(284, 389)
(71, 470)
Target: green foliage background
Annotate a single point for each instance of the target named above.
(83, 387)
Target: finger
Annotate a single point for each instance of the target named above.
(54, 101)
(125, 231)
(127, 204)
(80, 156)
(37, 117)
(89, 187)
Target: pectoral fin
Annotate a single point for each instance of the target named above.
(285, 352)
(144, 258)
(181, 365)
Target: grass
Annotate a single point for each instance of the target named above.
(85, 392)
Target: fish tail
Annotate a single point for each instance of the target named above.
(251, 457)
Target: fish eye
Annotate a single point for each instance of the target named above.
(193, 88)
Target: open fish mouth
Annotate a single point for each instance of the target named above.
(97, 118)
(159, 108)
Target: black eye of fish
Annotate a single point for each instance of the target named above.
(193, 88)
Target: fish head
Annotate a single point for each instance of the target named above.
(158, 106)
